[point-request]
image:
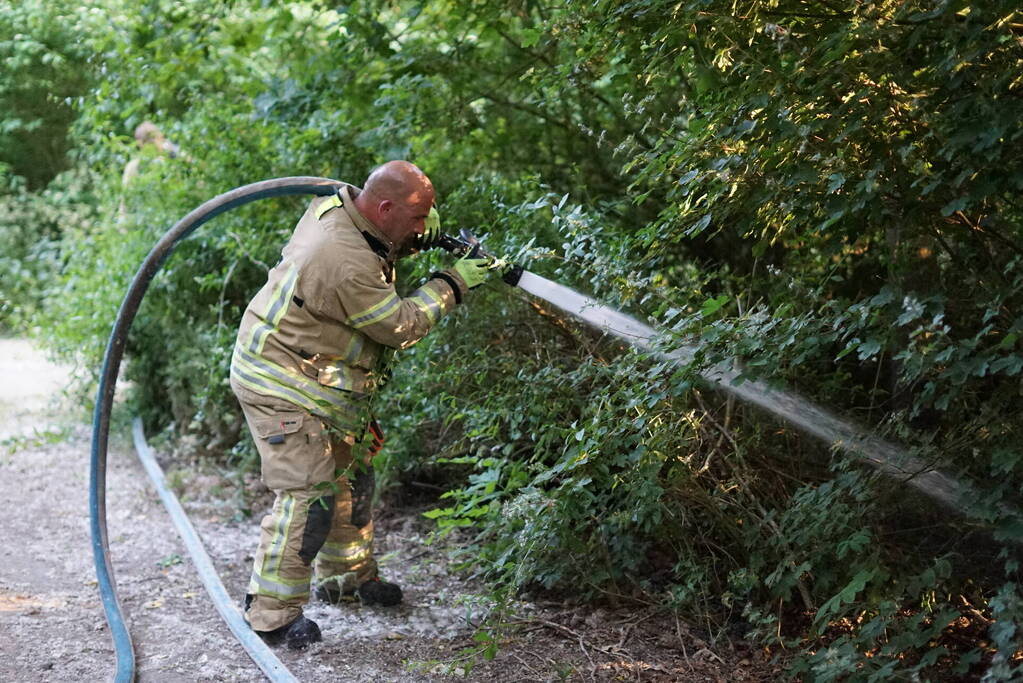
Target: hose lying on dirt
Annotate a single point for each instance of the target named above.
(262, 655)
(108, 377)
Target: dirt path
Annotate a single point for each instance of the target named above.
(54, 630)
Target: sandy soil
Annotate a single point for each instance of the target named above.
(54, 629)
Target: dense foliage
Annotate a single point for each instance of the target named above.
(829, 192)
(43, 75)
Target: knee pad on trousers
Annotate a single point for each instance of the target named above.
(363, 485)
(317, 526)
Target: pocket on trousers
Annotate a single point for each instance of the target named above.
(274, 430)
(292, 450)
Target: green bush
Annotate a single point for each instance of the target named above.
(46, 69)
(31, 226)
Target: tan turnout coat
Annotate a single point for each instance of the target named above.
(315, 334)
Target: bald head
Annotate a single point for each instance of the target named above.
(398, 181)
(396, 199)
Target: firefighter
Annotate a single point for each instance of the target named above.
(151, 142)
(153, 147)
(312, 348)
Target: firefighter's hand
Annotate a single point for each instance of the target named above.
(431, 232)
(474, 271)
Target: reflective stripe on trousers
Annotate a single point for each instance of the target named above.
(270, 574)
(346, 552)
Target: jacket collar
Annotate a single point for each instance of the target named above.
(370, 231)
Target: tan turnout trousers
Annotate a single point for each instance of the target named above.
(321, 518)
(310, 352)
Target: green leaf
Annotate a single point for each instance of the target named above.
(836, 180)
(439, 512)
(953, 206)
(831, 608)
(713, 305)
(530, 37)
(699, 226)
(1010, 365)
(869, 348)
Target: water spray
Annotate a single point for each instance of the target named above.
(838, 432)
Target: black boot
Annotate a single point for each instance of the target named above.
(297, 635)
(372, 592)
(377, 592)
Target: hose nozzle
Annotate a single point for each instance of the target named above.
(467, 245)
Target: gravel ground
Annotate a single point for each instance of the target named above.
(54, 629)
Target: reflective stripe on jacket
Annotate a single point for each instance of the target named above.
(314, 334)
